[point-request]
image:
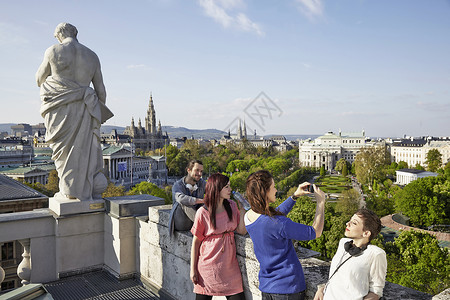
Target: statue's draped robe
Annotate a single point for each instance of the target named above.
(73, 115)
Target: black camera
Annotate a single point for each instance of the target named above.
(310, 188)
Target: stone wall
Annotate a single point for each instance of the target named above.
(164, 261)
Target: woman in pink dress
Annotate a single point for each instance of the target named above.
(214, 266)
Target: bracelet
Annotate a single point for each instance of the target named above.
(294, 197)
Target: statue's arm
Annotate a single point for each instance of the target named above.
(99, 86)
(44, 69)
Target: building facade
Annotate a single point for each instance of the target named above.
(23, 130)
(149, 137)
(14, 152)
(124, 168)
(405, 176)
(414, 151)
(329, 148)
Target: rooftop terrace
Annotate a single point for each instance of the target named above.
(120, 248)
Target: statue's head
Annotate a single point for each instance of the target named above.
(64, 30)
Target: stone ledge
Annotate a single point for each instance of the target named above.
(173, 256)
(132, 205)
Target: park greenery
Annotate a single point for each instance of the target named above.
(414, 258)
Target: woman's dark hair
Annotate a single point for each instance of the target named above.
(258, 185)
(371, 222)
(214, 185)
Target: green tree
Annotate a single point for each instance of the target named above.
(238, 181)
(334, 226)
(415, 260)
(402, 165)
(447, 170)
(345, 170)
(380, 204)
(419, 167)
(433, 160)
(322, 171)
(171, 153)
(370, 163)
(53, 182)
(341, 164)
(276, 165)
(348, 203)
(38, 187)
(426, 201)
(238, 165)
(293, 180)
(151, 189)
(113, 190)
(177, 166)
(193, 148)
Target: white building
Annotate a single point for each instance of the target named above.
(443, 146)
(405, 176)
(327, 149)
(117, 162)
(414, 151)
(177, 142)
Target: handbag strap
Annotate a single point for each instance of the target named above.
(326, 284)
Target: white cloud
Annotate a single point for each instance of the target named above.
(247, 25)
(312, 9)
(221, 11)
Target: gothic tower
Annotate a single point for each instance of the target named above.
(245, 131)
(150, 120)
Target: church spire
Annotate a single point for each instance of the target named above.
(245, 130)
(239, 130)
(150, 120)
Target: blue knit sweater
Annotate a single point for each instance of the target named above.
(280, 270)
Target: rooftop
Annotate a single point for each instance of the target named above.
(99, 285)
(11, 189)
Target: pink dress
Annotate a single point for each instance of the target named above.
(218, 268)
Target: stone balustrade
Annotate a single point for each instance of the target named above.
(164, 262)
(131, 238)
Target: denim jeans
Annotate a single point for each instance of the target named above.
(296, 296)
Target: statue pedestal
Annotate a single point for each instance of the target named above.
(64, 206)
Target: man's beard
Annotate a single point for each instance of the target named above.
(195, 180)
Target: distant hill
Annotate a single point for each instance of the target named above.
(196, 133)
(176, 132)
(109, 128)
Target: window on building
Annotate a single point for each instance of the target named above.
(8, 251)
(8, 285)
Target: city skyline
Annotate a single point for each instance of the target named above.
(288, 67)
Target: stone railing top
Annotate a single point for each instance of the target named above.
(316, 271)
(132, 205)
(25, 215)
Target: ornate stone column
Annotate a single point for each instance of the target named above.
(24, 268)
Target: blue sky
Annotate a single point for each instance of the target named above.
(285, 67)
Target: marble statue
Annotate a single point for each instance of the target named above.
(73, 112)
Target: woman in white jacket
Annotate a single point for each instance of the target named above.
(358, 269)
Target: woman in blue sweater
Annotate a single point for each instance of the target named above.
(281, 274)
